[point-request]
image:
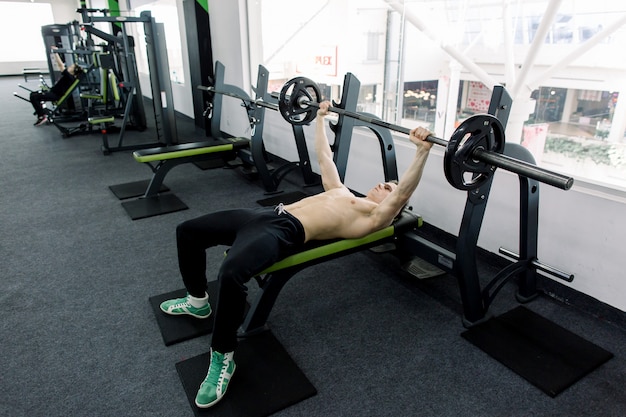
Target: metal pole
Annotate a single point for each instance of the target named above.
(538, 41)
(481, 74)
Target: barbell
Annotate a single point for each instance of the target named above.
(473, 152)
(472, 155)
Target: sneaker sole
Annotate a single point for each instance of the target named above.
(186, 313)
(217, 399)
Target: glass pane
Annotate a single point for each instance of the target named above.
(166, 12)
(570, 131)
(420, 102)
(306, 43)
(22, 36)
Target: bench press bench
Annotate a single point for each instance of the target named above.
(220, 147)
(272, 280)
(161, 160)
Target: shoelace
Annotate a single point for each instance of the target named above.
(280, 209)
(216, 370)
(182, 304)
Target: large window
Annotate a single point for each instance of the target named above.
(420, 102)
(20, 28)
(433, 63)
(164, 12)
(571, 131)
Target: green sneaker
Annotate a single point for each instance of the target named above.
(179, 306)
(213, 388)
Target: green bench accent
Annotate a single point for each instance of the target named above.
(273, 278)
(108, 81)
(67, 93)
(330, 249)
(161, 160)
(91, 96)
(188, 150)
(98, 120)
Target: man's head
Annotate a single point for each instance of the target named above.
(381, 191)
(75, 69)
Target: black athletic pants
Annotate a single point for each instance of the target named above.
(37, 97)
(257, 237)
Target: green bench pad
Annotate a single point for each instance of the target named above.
(96, 120)
(320, 249)
(190, 149)
(67, 92)
(91, 96)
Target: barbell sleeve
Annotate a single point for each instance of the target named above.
(265, 104)
(523, 168)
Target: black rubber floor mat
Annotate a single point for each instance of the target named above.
(176, 329)
(133, 189)
(542, 352)
(142, 208)
(265, 381)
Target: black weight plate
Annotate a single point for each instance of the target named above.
(463, 171)
(293, 93)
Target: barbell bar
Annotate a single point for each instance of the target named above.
(257, 102)
(475, 147)
(472, 155)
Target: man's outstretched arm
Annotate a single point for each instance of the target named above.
(57, 59)
(329, 173)
(389, 208)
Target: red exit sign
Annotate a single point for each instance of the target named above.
(321, 60)
(327, 60)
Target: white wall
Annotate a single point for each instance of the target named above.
(230, 47)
